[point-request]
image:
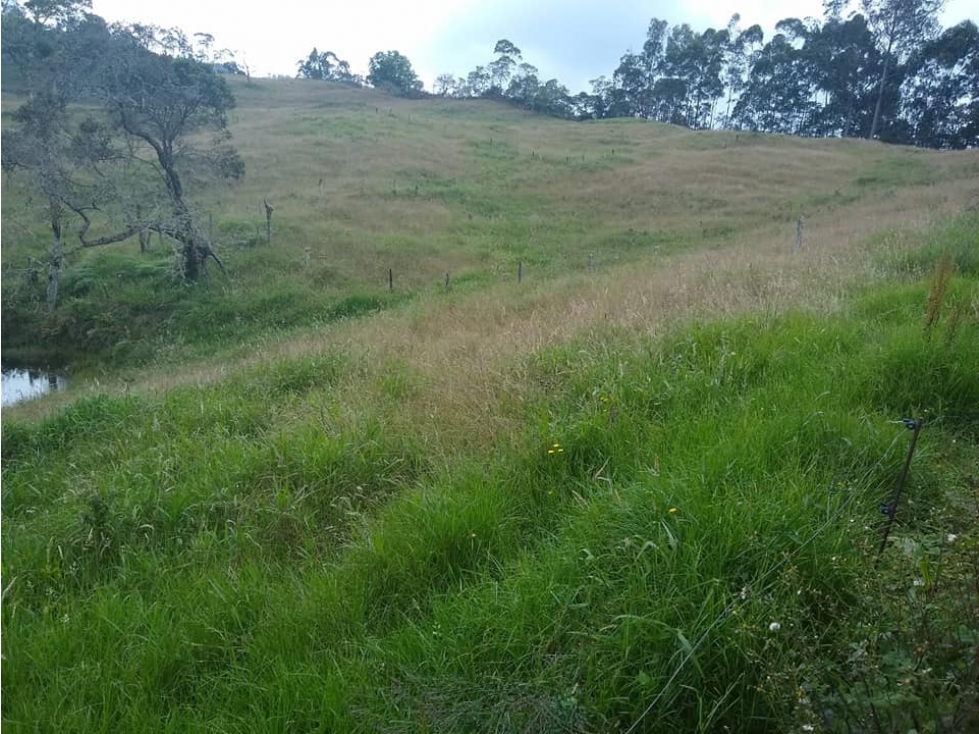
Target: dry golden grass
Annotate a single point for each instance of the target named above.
(464, 354)
(466, 349)
(442, 175)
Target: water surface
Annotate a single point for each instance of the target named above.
(20, 384)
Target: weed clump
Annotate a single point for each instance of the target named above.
(936, 294)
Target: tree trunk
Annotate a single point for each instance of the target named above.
(144, 232)
(192, 260)
(880, 96)
(54, 264)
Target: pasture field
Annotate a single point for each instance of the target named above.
(363, 183)
(637, 491)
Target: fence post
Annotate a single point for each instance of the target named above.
(391, 279)
(446, 281)
(268, 221)
(520, 271)
(799, 226)
(890, 508)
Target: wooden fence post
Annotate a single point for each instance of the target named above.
(268, 221)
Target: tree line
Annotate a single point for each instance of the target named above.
(880, 69)
(507, 77)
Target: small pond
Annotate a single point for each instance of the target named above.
(21, 384)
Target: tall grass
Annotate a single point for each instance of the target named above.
(251, 555)
(641, 499)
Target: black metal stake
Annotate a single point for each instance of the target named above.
(890, 508)
(391, 279)
(520, 271)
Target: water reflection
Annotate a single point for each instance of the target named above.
(23, 384)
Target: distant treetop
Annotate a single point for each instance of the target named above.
(392, 72)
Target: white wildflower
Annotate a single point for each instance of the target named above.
(774, 627)
(951, 538)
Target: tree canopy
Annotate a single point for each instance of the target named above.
(874, 69)
(392, 72)
(326, 66)
(116, 166)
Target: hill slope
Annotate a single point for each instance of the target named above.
(363, 184)
(641, 496)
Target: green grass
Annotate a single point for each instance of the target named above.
(301, 502)
(250, 555)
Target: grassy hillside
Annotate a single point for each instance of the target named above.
(429, 187)
(642, 497)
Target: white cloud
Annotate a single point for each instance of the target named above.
(274, 36)
(573, 40)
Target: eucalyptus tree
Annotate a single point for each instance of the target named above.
(524, 85)
(326, 66)
(940, 96)
(634, 80)
(632, 85)
(445, 85)
(900, 28)
(741, 45)
(501, 69)
(778, 95)
(843, 60)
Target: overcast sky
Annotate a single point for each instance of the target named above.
(572, 40)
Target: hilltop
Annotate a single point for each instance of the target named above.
(639, 490)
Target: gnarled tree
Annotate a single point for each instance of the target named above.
(89, 162)
(51, 44)
(159, 101)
